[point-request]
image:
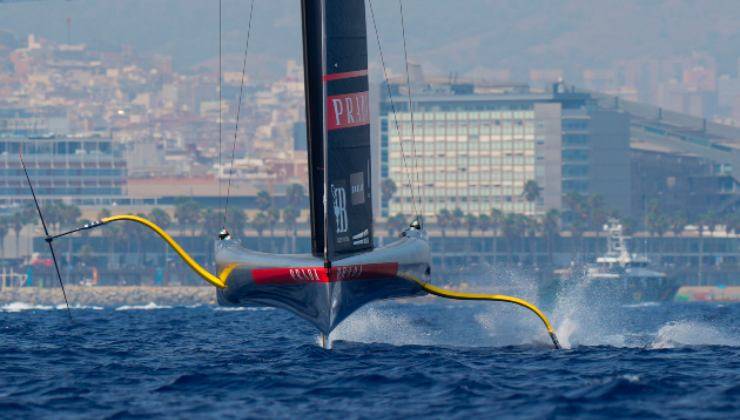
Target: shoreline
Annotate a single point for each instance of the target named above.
(112, 296)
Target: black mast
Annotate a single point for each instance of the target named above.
(312, 73)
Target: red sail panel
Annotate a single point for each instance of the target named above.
(347, 110)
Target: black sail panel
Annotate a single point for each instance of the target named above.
(347, 119)
(343, 138)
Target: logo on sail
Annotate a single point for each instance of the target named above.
(339, 199)
(362, 238)
(357, 188)
(347, 110)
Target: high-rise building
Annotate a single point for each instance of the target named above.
(80, 170)
(475, 147)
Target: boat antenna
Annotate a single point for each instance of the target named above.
(220, 105)
(238, 110)
(48, 238)
(410, 182)
(419, 178)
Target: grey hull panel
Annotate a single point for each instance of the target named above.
(325, 297)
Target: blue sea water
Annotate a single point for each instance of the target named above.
(426, 358)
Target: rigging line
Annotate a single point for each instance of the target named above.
(419, 179)
(393, 108)
(220, 105)
(48, 238)
(239, 109)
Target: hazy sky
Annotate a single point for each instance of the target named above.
(444, 35)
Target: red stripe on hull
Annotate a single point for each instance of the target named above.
(305, 275)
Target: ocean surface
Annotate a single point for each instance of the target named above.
(423, 357)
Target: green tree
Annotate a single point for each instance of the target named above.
(551, 230)
(290, 219)
(470, 221)
(113, 233)
(70, 214)
(26, 216)
(4, 230)
(388, 189)
(678, 222)
(396, 224)
(531, 191)
(579, 217)
(188, 215)
(484, 225)
(162, 219)
(295, 195)
(458, 218)
(273, 217)
(532, 230)
(259, 224)
(513, 227)
(444, 219)
(264, 200)
(237, 221)
(211, 223)
(497, 217)
(597, 212)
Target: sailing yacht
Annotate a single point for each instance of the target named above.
(345, 270)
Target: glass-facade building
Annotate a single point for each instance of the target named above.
(475, 148)
(79, 170)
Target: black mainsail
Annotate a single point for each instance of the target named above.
(338, 124)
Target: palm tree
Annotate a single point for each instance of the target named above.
(273, 217)
(484, 225)
(458, 218)
(443, 221)
(290, 217)
(264, 200)
(141, 235)
(396, 224)
(162, 219)
(259, 224)
(188, 215)
(4, 229)
(551, 229)
(471, 223)
(579, 215)
(295, 195)
(70, 214)
(237, 221)
(707, 221)
(211, 222)
(26, 216)
(533, 227)
(513, 228)
(678, 223)
(531, 191)
(656, 221)
(388, 189)
(497, 216)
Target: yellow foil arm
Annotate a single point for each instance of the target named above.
(219, 281)
(451, 294)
